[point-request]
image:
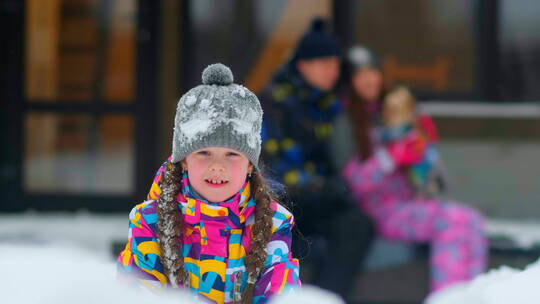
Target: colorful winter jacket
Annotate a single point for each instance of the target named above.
(425, 175)
(297, 127)
(378, 182)
(215, 242)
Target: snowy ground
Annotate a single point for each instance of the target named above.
(66, 257)
(53, 274)
(499, 286)
(86, 231)
(56, 274)
(522, 234)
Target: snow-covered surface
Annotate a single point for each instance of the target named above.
(500, 286)
(524, 234)
(66, 257)
(88, 231)
(57, 274)
(308, 295)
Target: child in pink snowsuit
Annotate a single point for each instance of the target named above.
(455, 232)
(384, 191)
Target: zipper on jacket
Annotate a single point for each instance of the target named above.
(237, 295)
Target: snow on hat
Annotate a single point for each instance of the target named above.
(362, 57)
(317, 42)
(218, 113)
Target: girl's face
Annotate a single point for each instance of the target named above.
(398, 108)
(367, 83)
(217, 173)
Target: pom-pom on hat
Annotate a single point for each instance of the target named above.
(218, 113)
(317, 42)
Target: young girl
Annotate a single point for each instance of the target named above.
(211, 224)
(379, 182)
(401, 122)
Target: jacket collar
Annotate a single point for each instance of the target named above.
(235, 209)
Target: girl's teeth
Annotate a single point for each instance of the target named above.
(216, 182)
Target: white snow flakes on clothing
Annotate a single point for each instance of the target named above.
(218, 113)
(203, 118)
(240, 90)
(190, 100)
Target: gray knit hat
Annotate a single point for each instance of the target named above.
(218, 113)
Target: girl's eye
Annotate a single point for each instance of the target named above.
(203, 153)
(232, 154)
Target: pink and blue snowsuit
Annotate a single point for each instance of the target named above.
(455, 232)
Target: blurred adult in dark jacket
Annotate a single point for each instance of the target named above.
(300, 107)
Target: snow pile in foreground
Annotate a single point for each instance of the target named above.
(308, 295)
(500, 286)
(56, 275)
(88, 231)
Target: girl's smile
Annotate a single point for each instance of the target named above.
(216, 182)
(217, 173)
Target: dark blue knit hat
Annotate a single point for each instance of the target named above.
(317, 42)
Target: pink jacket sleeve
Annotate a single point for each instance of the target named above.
(367, 175)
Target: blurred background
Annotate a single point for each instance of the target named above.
(89, 88)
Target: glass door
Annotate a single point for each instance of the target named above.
(84, 120)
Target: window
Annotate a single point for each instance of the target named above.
(428, 45)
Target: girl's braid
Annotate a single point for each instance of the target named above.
(170, 224)
(261, 234)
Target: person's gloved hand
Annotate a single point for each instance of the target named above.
(409, 150)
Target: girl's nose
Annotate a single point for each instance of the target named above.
(217, 167)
